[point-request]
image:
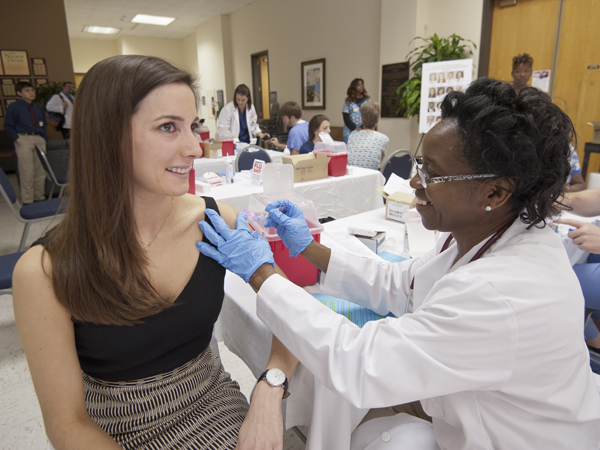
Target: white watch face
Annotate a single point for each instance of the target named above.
(275, 377)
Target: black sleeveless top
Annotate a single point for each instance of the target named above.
(165, 340)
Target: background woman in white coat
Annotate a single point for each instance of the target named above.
(468, 348)
(239, 116)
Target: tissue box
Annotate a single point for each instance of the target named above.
(311, 166)
(397, 205)
(213, 179)
(212, 149)
(374, 242)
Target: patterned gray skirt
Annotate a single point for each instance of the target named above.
(196, 406)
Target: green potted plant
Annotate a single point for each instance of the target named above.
(433, 49)
(44, 92)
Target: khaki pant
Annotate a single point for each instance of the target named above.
(32, 177)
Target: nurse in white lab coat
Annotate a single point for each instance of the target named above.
(469, 349)
(239, 116)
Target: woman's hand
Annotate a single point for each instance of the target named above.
(585, 235)
(239, 250)
(290, 225)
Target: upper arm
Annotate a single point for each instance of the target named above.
(47, 336)
(228, 213)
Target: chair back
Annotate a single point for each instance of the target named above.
(7, 190)
(59, 144)
(46, 165)
(399, 162)
(245, 159)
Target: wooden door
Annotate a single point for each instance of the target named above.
(577, 82)
(527, 27)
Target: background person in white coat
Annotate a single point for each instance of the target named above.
(62, 103)
(239, 116)
(468, 348)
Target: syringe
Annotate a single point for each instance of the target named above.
(256, 218)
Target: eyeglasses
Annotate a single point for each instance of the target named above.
(424, 180)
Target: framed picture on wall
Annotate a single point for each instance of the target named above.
(8, 87)
(39, 66)
(15, 62)
(313, 84)
(40, 81)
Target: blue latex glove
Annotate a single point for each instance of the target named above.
(290, 225)
(237, 250)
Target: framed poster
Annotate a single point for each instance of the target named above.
(392, 76)
(39, 66)
(438, 79)
(8, 87)
(15, 62)
(313, 84)
(40, 81)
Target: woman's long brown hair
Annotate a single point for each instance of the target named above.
(99, 269)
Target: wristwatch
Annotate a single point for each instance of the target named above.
(275, 378)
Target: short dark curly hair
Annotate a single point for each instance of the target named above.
(522, 137)
(522, 59)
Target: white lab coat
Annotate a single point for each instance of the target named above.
(55, 104)
(229, 118)
(494, 349)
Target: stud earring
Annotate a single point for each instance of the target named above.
(488, 208)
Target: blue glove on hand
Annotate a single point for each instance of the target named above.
(237, 250)
(290, 225)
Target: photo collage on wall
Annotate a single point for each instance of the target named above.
(438, 80)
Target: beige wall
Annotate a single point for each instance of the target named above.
(293, 32)
(87, 52)
(48, 37)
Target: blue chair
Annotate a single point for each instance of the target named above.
(56, 180)
(7, 266)
(399, 162)
(33, 212)
(245, 158)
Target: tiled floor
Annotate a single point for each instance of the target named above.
(21, 425)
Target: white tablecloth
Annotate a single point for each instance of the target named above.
(336, 197)
(331, 418)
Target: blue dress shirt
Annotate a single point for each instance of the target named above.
(18, 120)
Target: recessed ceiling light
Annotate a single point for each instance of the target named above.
(153, 20)
(101, 30)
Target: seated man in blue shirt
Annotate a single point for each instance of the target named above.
(25, 123)
(291, 114)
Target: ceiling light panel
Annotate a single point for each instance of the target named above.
(101, 30)
(152, 20)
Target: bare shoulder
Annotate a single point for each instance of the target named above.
(194, 207)
(228, 213)
(32, 284)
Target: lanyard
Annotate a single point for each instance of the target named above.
(477, 255)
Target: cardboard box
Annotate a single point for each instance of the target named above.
(311, 166)
(397, 205)
(212, 149)
(373, 242)
(596, 135)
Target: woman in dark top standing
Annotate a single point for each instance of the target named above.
(116, 311)
(356, 96)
